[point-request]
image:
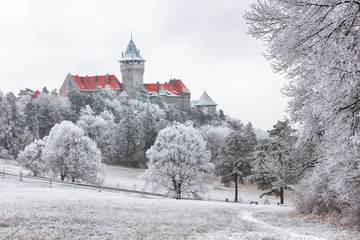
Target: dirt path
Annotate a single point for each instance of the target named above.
(280, 232)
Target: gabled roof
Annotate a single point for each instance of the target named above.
(91, 83)
(180, 86)
(205, 100)
(174, 88)
(131, 53)
(164, 89)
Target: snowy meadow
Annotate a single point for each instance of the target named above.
(196, 152)
(32, 210)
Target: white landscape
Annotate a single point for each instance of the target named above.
(30, 209)
(189, 139)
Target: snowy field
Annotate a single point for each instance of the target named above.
(31, 210)
(130, 178)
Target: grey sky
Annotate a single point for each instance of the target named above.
(201, 42)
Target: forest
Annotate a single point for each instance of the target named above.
(73, 136)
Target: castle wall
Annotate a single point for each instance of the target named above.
(68, 86)
(179, 101)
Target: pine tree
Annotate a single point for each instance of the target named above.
(261, 174)
(141, 94)
(131, 138)
(276, 165)
(235, 157)
(222, 115)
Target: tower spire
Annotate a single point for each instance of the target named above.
(132, 68)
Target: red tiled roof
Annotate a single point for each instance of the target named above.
(168, 89)
(35, 94)
(174, 88)
(89, 83)
(181, 86)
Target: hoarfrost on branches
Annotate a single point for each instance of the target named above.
(71, 154)
(235, 156)
(31, 158)
(316, 44)
(178, 161)
(276, 166)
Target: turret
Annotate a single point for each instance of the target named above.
(132, 67)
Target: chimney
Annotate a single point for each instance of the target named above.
(107, 78)
(122, 54)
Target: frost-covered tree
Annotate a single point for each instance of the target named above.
(235, 156)
(214, 137)
(12, 129)
(42, 113)
(281, 159)
(177, 162)
(32, 159)
(71, 154)
(107, 141)
(141, 94)
(101, 129)
(316, 44)
(5, 126)
(131, 140)
(222, 115)
(159, 101)
(78, 102)
(98, 100)
(92, 125)
(150, 129)
(261, 171)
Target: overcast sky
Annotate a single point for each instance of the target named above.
(201, 42)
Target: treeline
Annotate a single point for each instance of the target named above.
(123, 129)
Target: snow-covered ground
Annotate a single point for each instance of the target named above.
(31, 210)
(130, 178)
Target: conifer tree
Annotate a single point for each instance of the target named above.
(234, 160)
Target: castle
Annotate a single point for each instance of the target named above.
(132, 67)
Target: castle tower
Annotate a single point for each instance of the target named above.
(132, 67)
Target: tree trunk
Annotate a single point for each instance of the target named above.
(73, 180)
(62, 177)
(177, 188)
(178, 191)
(236, 187)
(281, 195)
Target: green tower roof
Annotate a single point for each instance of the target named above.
(131, 53)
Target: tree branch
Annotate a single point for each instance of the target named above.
(349, 106)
